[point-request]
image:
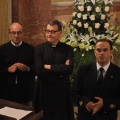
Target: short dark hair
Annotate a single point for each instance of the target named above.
(105, 40)
(56, 22)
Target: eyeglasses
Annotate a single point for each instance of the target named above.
(14, 32)
(51, 31)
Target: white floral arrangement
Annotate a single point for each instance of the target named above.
(90, 22)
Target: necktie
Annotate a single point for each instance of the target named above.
(100, 78)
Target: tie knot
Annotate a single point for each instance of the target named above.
(101, 69)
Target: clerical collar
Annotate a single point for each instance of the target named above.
(15, 44)
(105, 67)
(53, 45)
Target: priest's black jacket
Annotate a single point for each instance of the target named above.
(85, 88)
(17, 86)
(53, 86)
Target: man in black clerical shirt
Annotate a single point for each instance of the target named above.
(54, 64)
(17, 67)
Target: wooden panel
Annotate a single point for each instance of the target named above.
(4, 20)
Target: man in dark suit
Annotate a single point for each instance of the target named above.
(98, 98)
(17, 67)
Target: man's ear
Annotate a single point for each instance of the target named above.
(111, 52)
(61, 32)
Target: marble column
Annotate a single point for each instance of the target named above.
(33, 15)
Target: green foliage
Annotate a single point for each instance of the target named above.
(79, 59)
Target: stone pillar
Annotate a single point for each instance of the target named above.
(33, 15)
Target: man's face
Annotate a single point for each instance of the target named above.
(103, 53)
(52, 34)
(15, 33)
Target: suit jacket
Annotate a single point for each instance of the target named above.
(17, 86)
(85, 88)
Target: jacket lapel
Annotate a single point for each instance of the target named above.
(93, 76)
(109, 74)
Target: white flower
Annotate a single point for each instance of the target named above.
(108, 2)
(81, 8)
(74, 13)
(89, 8)
(117, 41)
(107, 8)
(81, 46)
(74, 22)
(97, 25)
(92, 17)
(97, 9)
(85, 17)
(106, 25)
(79, 24)
(86, 25)
(103, 16)
(93, 1)
(74, 44)
(72, 37)
(74, 49)
(116, 35)
(79, 15)
(88, 47)
(83, 55)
